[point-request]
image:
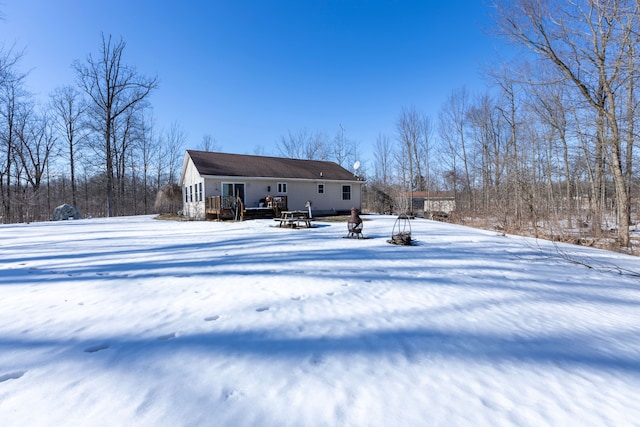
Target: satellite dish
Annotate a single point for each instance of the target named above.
(356, 165)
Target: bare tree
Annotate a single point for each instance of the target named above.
(589, 42)
(68, 112)
(550, 103)
(402, 194)
(424, 151)
(484, 127)
(260, 150)
(382, 154)
(36, 141)
(452, 129)
(343, 150)
(146, 148)
(209, 143)
(379, 189)
(113, 89)
(303, 145)
(409, 130)
(12, 95)
(125, 134)
(517, 191)
(174, 141)
(631, 114)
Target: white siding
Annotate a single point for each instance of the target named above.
(440, 205)
(329, 201)
(192, 207)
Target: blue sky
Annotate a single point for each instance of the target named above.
(247, 72)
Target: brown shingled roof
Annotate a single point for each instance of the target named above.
(242, 165)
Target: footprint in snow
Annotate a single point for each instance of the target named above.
(296, 298)
(331, 294)
(167, 337)
(231, 393)
(211, 318)
(317, 359)
(261, 309)
(96, 348)
(12, 376)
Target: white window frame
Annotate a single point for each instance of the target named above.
(321, 188)
(233, 185)
(281, 188)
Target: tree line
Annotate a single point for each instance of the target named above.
(92, 144)
(548, 147)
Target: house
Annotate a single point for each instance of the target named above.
(223, 185)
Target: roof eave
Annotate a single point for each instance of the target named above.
(271, 178)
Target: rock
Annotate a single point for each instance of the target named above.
(66, 211)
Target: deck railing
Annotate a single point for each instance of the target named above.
(218, 203)
(225, 207)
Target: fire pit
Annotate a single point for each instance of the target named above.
(354, 224)
(401, 234)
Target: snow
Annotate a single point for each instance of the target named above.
(136, 321)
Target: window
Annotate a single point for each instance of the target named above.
(186, 194)
(282, 187)
(200, 192)
(320, 188)
(346, 192)
(191, 193)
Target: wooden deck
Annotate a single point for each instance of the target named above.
(229, 208)
(218, 207)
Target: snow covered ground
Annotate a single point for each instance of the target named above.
(135, 321)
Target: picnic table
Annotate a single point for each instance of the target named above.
(294, 219)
